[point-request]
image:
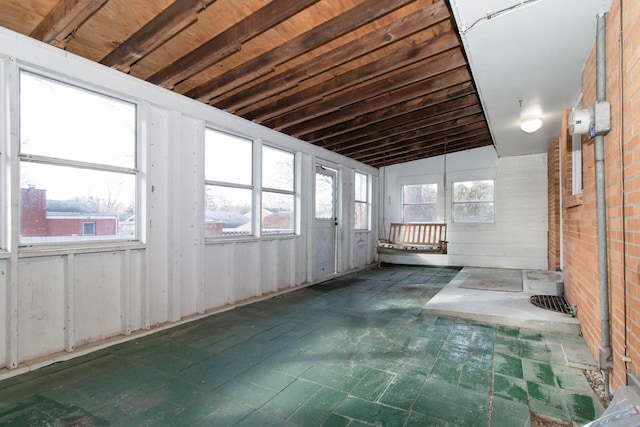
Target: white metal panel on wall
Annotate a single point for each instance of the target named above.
(3, 312)
(247, 270)
(219, 273)
(190, 224)
(96, 284)
(41, 314)
(158, 217)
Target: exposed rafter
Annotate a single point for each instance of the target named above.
(228, 42)
(175, 18)
(64, 19)
(330, 30)
(354, 49)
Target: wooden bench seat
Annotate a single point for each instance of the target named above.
(413, 237)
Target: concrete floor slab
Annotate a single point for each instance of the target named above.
(495, 306)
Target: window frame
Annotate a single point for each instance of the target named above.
(229, 184)
(292, 192)
(492, 201)
(22, 158)
(365, 202)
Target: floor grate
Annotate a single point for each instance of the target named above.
(552, 302)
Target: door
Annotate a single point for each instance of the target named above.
(326, 223)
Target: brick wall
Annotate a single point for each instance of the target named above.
(622, 177)
(553, 182)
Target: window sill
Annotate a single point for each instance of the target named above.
(35, 251)
(572, 201)
(249, 239)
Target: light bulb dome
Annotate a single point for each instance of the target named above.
(530, 124)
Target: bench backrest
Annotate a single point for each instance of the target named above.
(418, 233)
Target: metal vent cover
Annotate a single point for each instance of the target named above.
(552, 302)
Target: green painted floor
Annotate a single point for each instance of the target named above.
(354, 351)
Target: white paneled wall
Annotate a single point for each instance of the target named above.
(517, 238)
(66, 300)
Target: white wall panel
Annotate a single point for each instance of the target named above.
(219, 272)
(41, 316)
(268, 266)
(97, 296)
(247, 269)
(3, 311)
(190, 221)
(136, 279)
(158, 219)
(283, 264)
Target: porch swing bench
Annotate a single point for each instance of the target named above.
(415, 238)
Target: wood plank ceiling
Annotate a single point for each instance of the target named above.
(380, 81)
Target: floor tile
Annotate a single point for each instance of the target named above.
(505, 412)
(372, 385)
(539, 372)
(510, 388)
(370, 412)
(318, 408)
(508, 365)
(289, 399)
(403, 391)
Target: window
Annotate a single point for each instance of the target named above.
(419, 203)
(88, 228)
(228, 172)
(77, 162)
(362, 203)
(278, 191)
(576, 160)
(473, 201)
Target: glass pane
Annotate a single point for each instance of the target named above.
(361, 221)
(66, 122)
(227, 158)
(473, 191)
(473, 212)
(420, 213)
(227, 211)
(277, 169)
(361, 187)
(420, 193)
(56, 202)
(324, 196)
(277, 213)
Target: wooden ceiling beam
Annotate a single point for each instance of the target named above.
(347, 21)
(435, 151)
(416, 109)
(417, 143)
(228, 42)
(64, 19)
(171, 21)
(371, 42)
(430, 85)
(443, 143)
(400, 58)
(435, 148)
(405, 124)
(470, 122)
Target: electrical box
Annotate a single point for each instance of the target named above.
(602, 117)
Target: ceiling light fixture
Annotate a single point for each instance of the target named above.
(530, 118)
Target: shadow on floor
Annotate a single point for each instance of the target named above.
(354, 351)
